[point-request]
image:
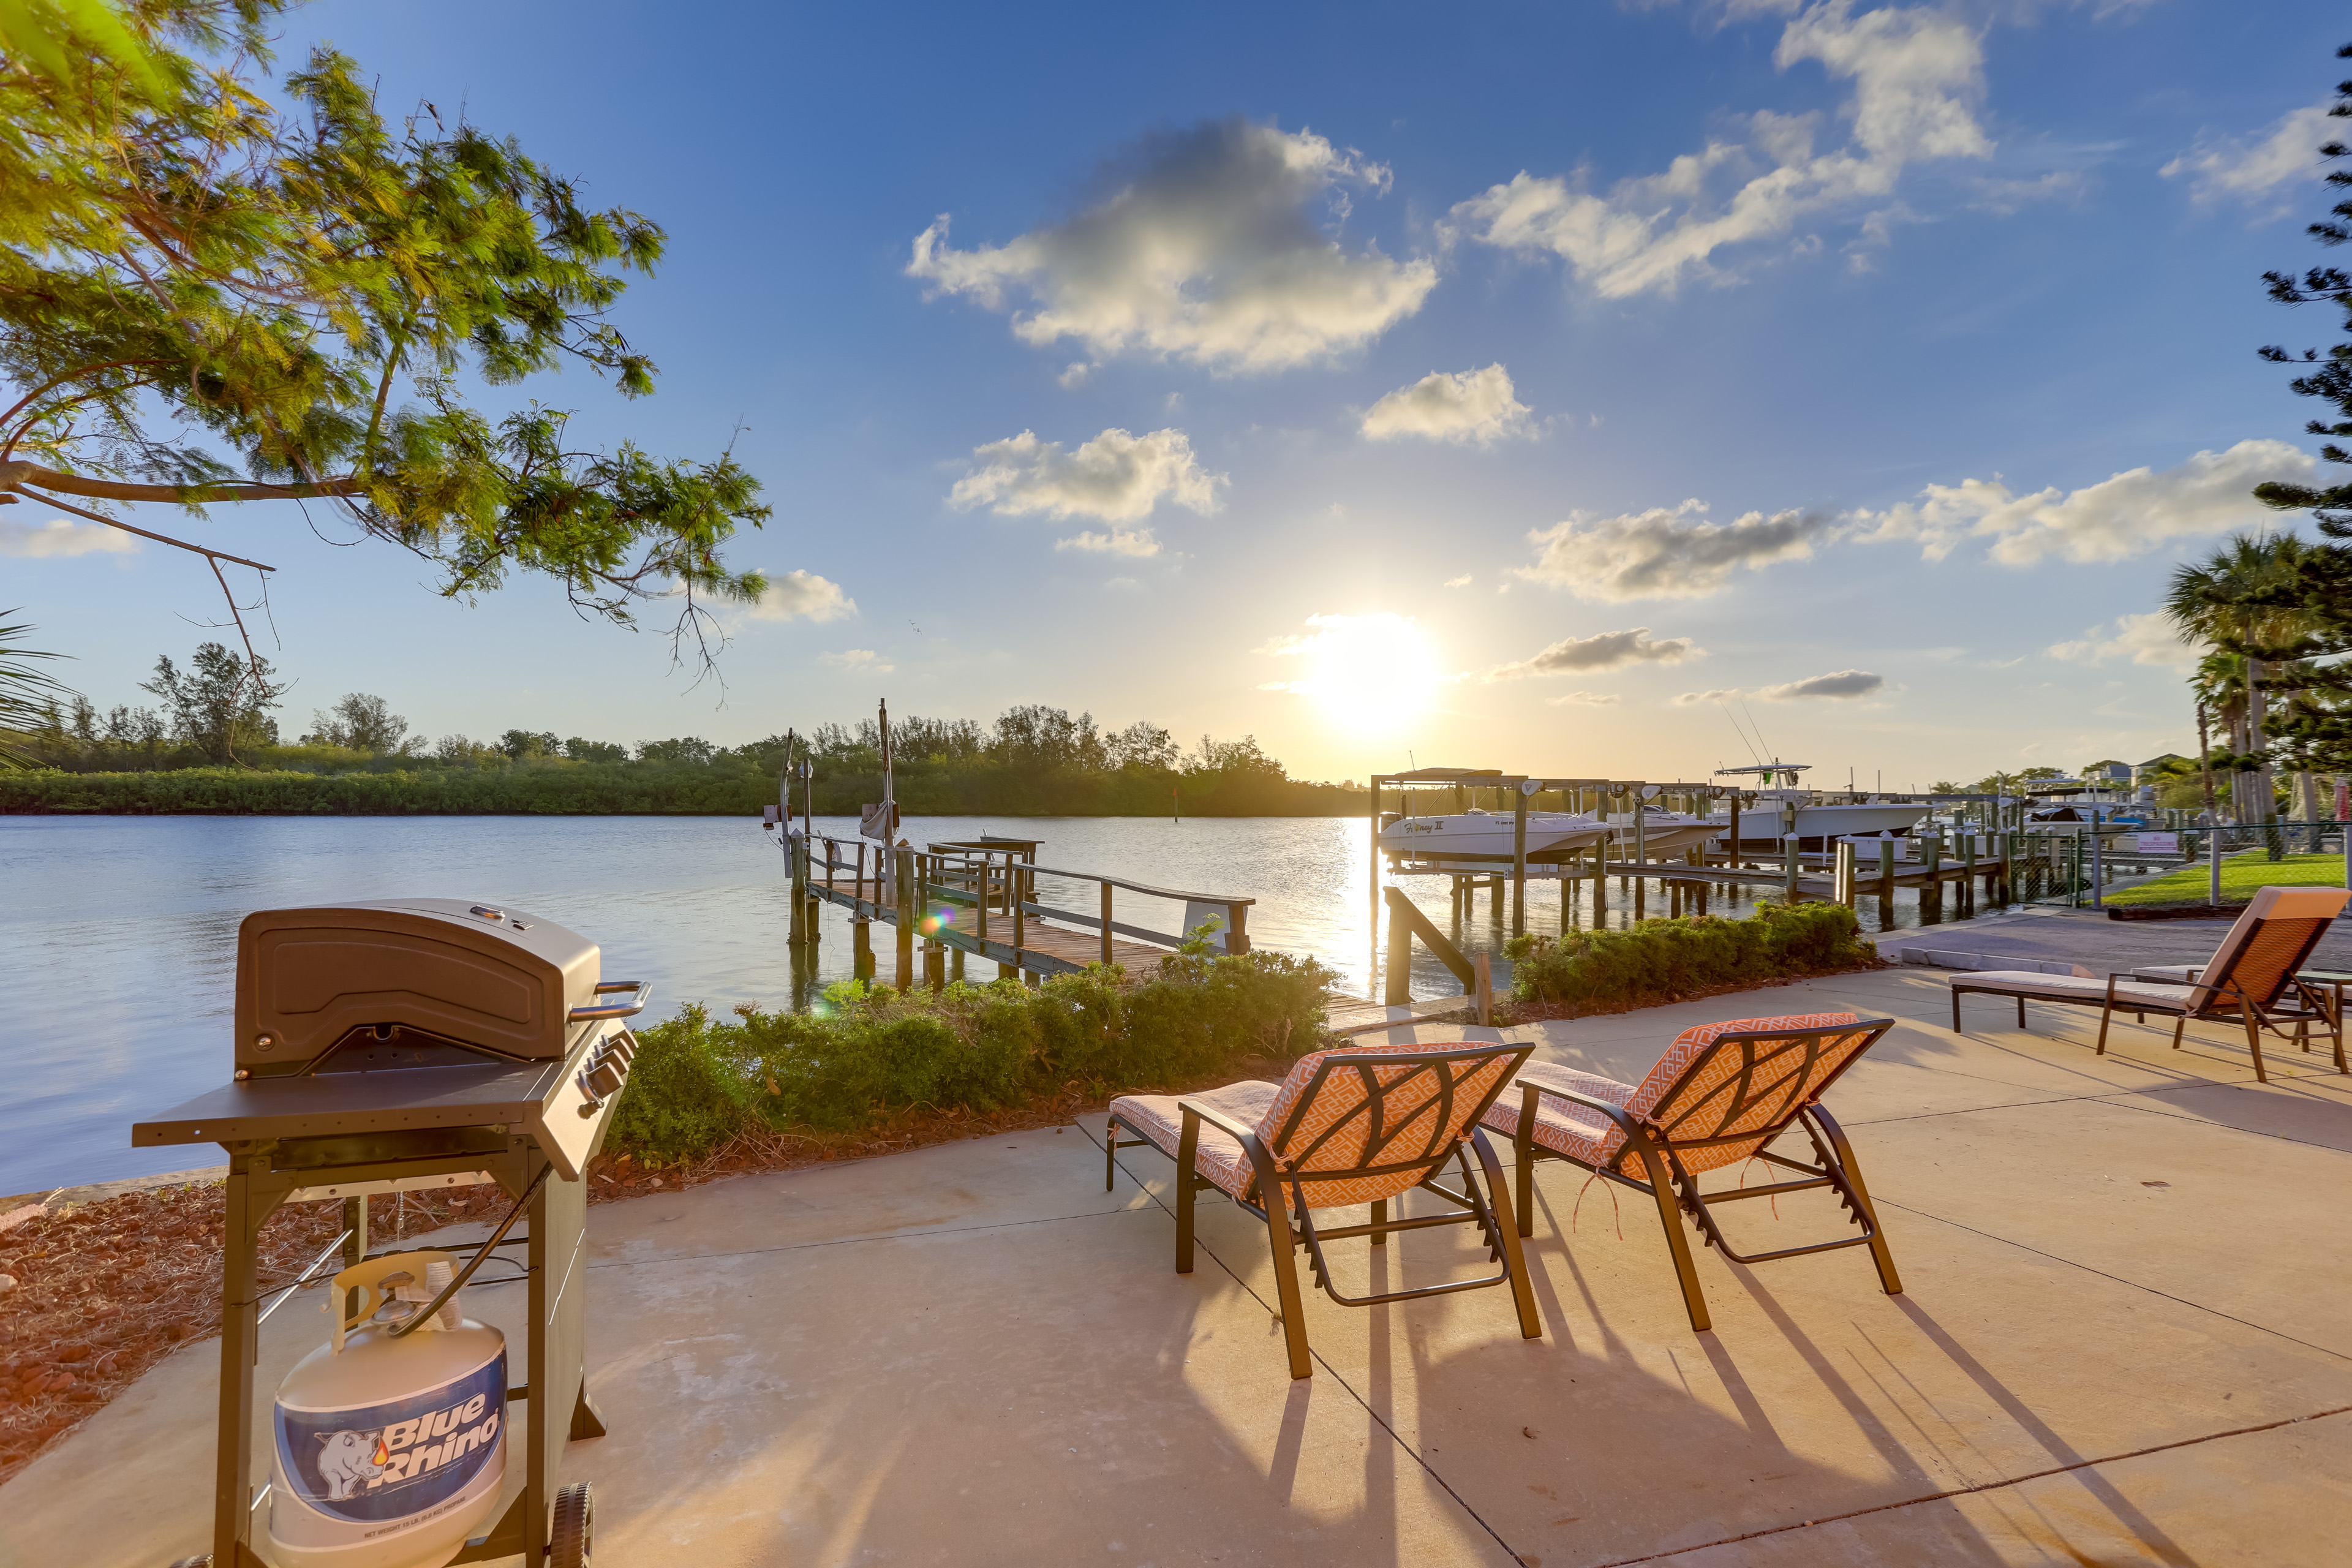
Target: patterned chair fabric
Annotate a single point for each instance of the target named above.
(1703, 1106)
(1223, 1160)
(1423, 1108)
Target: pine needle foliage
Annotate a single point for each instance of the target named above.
(206, 297)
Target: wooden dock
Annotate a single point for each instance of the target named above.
(1348, 1015)
(978, 899)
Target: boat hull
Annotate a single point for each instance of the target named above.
(1487, 841)
(1826, 822)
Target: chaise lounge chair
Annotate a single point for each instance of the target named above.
(2250, 978)
(1361, 1124)
(1721, 1094)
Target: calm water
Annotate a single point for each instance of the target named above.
(121, 931)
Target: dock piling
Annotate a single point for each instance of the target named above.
(1519, 859)
(902, 884)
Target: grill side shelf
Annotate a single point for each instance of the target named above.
(355, 1102)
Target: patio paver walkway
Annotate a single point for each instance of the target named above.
(2121, 1340)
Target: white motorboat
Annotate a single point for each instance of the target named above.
(1761, 821)
(1487, 836)
(1766, 819)
(1664, 832)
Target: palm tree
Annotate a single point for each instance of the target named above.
(2247, 600)
(26, 692)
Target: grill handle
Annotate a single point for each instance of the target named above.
(635, 1004)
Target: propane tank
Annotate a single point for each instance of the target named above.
(390, 1450)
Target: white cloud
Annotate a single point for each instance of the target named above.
(1478, 405)
(1206, 250)
(2149, 638)
(2129, 514)
(1585, 699)
(1461, 582)
(2004, 197)
(1916, 73)
(1113, 541)
(1839, 685)
(55, 538)
(1662, 554)
(2253, 170)
(1076, 374)
(1603, 650)
(1115, 477)
(803, 594)
(857, 661)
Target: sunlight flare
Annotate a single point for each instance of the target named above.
(1366, 675)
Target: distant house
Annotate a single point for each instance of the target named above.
(2155, 767)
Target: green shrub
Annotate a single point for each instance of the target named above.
(866, 1052)
(1661, 959)
(685, 1097)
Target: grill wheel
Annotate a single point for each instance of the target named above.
(575, 1512)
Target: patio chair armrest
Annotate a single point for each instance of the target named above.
(1610, 1109)
(1216, 1119)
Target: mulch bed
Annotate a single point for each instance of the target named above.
(104, 1292)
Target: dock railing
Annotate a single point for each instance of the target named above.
(982, 897)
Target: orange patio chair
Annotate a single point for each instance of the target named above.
(1720, 1096)
(1356, 1125)
(2250, 978)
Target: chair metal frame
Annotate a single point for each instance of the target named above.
(1659, 1146)
(1489, 1210)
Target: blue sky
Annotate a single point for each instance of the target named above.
(1495, 384)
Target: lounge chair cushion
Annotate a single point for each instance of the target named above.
(2131, 995)
(1222, 1159)
(1591, 1139)
(1584, 1136)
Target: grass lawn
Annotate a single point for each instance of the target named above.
(2240, 875)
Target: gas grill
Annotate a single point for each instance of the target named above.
(399, 1045)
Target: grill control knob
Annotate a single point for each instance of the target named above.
(604, 1080)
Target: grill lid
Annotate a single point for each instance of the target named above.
(483, 974)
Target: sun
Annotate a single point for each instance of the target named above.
(1366, 675)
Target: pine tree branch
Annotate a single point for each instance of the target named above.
(13, 475)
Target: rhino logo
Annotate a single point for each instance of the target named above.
(347, 1459)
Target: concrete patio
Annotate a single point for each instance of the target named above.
(2123, 1339)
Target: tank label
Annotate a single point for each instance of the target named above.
(400, 1457)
